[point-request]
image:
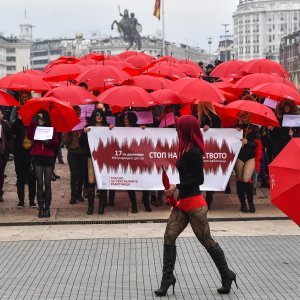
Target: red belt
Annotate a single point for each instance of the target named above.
(191, 203)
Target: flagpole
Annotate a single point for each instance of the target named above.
(163, 25)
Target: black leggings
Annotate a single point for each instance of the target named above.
(178, 221)
(43, 176)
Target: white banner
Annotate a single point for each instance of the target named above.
(132, 158)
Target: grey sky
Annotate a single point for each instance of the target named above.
(186, 21)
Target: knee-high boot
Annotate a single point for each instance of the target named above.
(91, 198)
(102, 201)
(241, 194)
(168, 277)
(132, 198)
(227, 276)
(248, 186)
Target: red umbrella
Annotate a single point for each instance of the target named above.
(63, 72)
(264, 66)
(190, 70)
(7, 100)
(127, 54)
(139, 61)
(94, 56)
(259, 113)
(252, 80)
(196, 89)
(285, 180)
(165, 70)
(72, 94)
(127, 96)
(168, 97)
(63, 116)
(23, 81)
(167, 58)
(101, 77)
(277, 91)
(61, 60)
(148, 82)
(228, 69)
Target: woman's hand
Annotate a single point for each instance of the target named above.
(111, 126)
(244, 141)
(205, 128)
(238, 128)
(171, 190)
(86, 129)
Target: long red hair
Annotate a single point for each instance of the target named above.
(189, 134)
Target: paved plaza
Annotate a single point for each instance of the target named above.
(266, 267)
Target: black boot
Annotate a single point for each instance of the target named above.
(132, 197)
(102, 200)
(241, 194)
(47, 212)
(227, 276)
(168, 277)
(111, 198)
(41, 210)
(249, 193)
(145, 198)
(91, 199)
(209, 198)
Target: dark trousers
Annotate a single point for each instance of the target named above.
(25, 174)
(43, 174)
(77, 165)
(3, 162)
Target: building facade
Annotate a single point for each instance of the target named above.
(290, 55)
(259, 26)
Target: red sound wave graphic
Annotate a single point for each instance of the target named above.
(217, 157)
(144, 156)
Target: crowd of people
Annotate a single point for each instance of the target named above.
(35, 160)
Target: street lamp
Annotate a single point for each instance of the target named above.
(209, 44)
(225, 43)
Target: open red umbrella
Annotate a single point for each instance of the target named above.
(139, 60)
(260, 114)
(23, 81)
(62, 114)
(7, 100)
(168, 97)
(196, 89)
(285, 180)
(127, 96)
(277, 91)
(72, 94)
(148, 82)
(63, 72)
(228, 69)
(102, 77)
(264, 66)
(165, 70)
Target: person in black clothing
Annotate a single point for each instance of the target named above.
(191, 207)
(97, 118)
(208, 118)
(245, 164)
(280, 136)
(23, 163)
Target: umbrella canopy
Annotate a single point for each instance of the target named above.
(7, 100)
(127, 96)
(165, 70)
(228, 69)
(139, 60)
(23, 81)
(101, 77)
(196, 89)
(62, 114)
(190, 70)
(63, 72)
(72, 94)
(168, 97)
(264, 66)
(148, 82)
(277, 91)
(285, 180)
(260, 114)
(253, 80)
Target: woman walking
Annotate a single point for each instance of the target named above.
(191, 207)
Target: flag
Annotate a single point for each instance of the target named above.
(156, 12)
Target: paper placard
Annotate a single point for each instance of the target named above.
(0, 131)
(43, 133)
(291, 121)
(271, 103)
(144, 117)
(86, 110)
(167, 121)
(111, 120)
(80, 125)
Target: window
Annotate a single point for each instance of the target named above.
(241, 50)
(248, 49)
(11, 50)
(11, 68)
(10, 58)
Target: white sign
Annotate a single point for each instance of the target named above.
(43, 133)
(291, 121)
(144, 117)
(271, 103)
(0, 131)
(132, 158)
(168, 120)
